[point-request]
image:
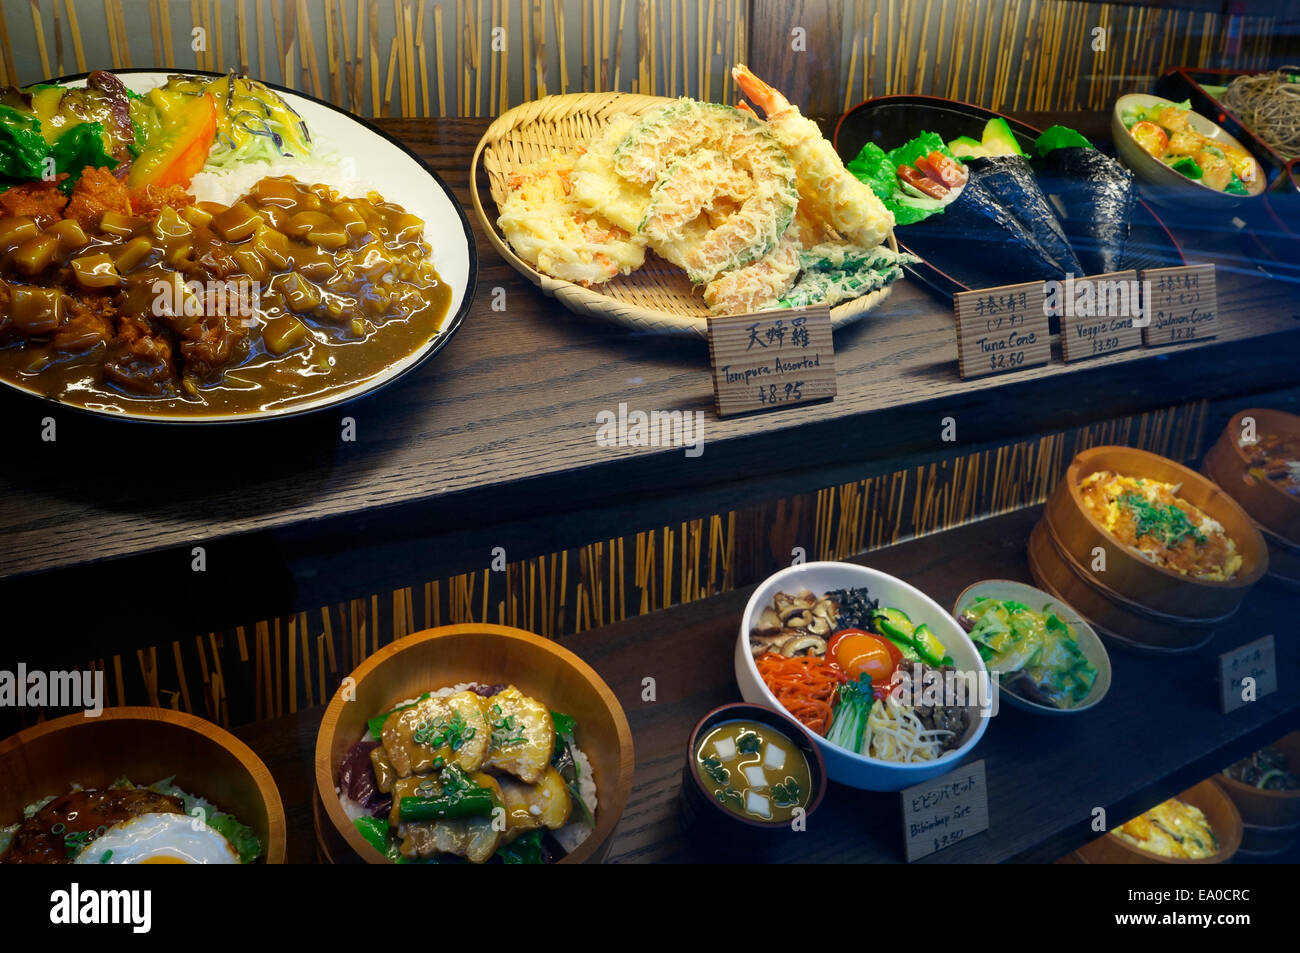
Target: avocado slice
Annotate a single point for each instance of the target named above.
(999, 140)
(964, 147)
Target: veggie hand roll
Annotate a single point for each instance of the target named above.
(1097, 196)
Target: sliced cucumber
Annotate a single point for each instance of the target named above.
(928, 646)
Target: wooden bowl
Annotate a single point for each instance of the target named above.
(1130, 576)
(1219, 811)
(1038, 600)
(1260, 808)
(1134, 628)
(144, 745)
(1283, 558)
(1226, 464)
(490, 654)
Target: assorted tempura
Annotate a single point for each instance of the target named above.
(759, 213)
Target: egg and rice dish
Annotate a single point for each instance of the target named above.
(1173, 829)
(1150, 518)
(127, 824)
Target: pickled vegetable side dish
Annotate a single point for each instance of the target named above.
(1035, 652)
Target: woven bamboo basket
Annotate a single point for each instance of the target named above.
(654, 299)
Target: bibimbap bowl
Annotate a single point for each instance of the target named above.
(849, 767)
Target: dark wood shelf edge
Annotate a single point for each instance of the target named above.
(302, 567)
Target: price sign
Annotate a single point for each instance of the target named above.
(1256, 661)
(1002, 329)
(1097, 315)
(945, 811)
(771, 360)
(1181, 304)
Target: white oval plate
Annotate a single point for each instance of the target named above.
(392, 170)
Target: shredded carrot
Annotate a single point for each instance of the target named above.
(804, 685)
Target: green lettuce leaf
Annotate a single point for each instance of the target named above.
(80, 146)
(241, 836)
(22, 147)
(1059, 137)
(872, 166)
(922, 145)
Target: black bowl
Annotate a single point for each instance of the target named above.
(704, 818)
(890, 121)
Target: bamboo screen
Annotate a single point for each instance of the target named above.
(277, 666)
(478, 57)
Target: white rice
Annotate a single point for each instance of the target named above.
(226, 186)
(575, 832)
(568, 837)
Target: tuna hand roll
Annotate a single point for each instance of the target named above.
(1096, 194)
(999, 230)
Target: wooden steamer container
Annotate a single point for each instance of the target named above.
(1276, 512)
(1134, 601)
(1213, 802)
(1270, 819)
(144, 745)
(488, 654)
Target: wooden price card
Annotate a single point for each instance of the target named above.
(945, 810)
(1180, 304)
(771, 360)
(1256, 661)
(1002, 329)
(1097, 315)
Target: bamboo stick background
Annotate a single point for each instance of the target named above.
(275, 666)
(449, 57)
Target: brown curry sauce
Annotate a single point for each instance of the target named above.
(301, 294)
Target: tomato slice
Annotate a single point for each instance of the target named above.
(174, 154)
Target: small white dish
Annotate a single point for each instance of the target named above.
(1038, 600)
(1166, 185)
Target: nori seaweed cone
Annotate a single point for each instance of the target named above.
(1097, 195)
(999, 230)
(1011, 180)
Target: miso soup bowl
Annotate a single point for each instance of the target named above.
(703, 816)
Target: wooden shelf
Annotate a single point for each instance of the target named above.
(1157, 732)
(493, 444)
